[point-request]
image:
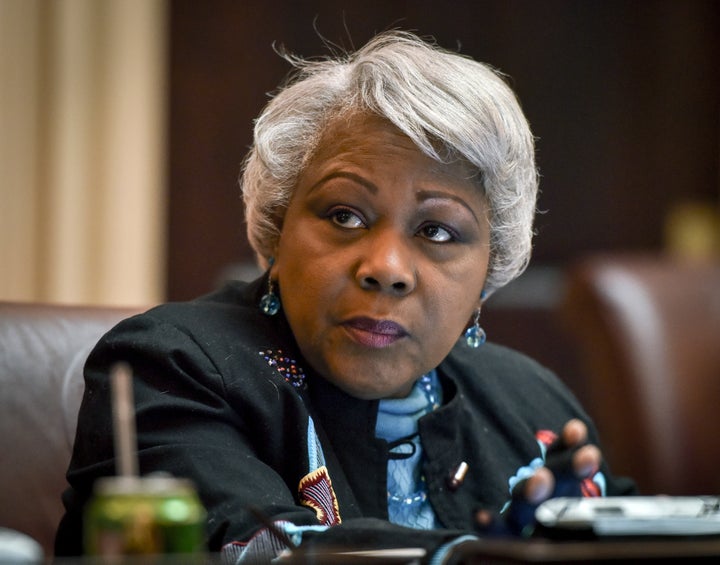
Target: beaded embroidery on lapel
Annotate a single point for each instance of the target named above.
(286, 366)
(315, 489)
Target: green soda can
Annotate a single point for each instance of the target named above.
(131, 515)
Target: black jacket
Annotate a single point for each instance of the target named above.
(223, 397)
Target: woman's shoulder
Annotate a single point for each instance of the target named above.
(231, 304)
(226, 319)
(220, 337)
(498, 374)
(494, 360)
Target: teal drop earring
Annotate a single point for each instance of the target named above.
(475, 336)
(270, 302)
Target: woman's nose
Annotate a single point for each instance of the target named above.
(387, 265)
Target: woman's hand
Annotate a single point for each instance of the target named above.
(569, 461)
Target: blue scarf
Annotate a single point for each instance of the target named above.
(397, 423)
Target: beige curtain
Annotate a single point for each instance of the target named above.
(82, 124)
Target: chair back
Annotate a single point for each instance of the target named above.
(42, 352)
(648, 329)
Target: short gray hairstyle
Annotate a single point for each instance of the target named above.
(446, 103)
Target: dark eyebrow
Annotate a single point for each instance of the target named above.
(430, 194)
(372, 188)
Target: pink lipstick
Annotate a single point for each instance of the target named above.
(374, 333)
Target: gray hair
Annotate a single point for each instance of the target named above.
(446, 103)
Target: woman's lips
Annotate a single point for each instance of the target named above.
(374, 333)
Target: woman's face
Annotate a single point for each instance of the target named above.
(382, 258)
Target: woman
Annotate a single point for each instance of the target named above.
(347, 395)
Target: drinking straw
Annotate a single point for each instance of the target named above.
(126, 462)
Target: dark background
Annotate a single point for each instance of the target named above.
(623, 96)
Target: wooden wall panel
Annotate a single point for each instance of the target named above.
(623, 96)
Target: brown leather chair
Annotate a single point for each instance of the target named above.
(42, 351)
(648, 329)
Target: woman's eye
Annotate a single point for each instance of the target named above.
(436, 233)
(347, 219)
